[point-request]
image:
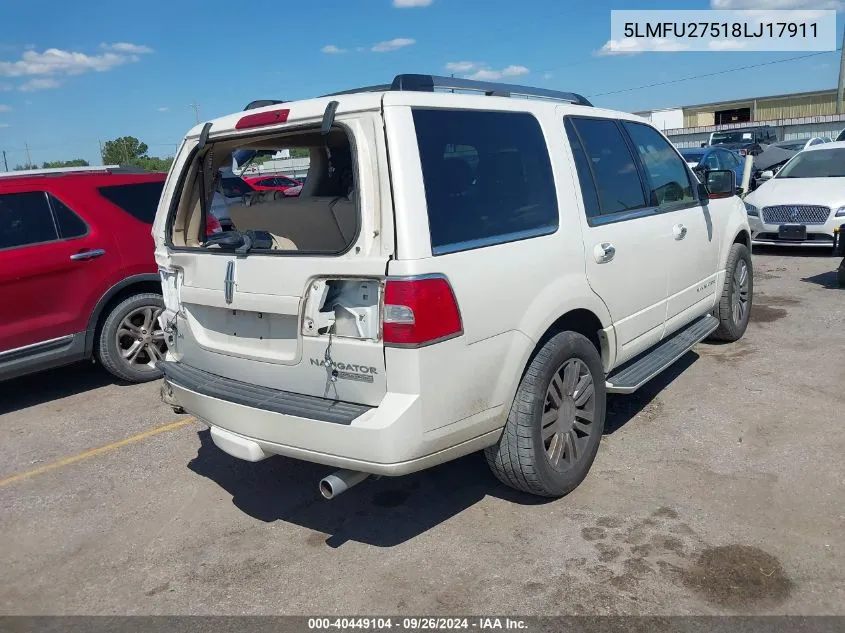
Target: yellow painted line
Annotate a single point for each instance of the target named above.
(94, 452)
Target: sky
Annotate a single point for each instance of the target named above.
(73, 74)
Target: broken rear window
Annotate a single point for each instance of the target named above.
(321, 216)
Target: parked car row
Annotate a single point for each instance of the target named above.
(753, 140)
(795, 195)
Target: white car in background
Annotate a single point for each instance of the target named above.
(804, 203)
(797, 145)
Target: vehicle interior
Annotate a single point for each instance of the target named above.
(322, 218)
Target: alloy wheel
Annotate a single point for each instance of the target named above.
(568, 414)
(140, 339)
(739, 294)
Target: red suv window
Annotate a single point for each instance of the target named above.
(139, 200)
(25, 219)
(70, 225)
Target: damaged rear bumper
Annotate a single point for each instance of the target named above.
(251, 423)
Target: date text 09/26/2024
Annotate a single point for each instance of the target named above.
(415, 624)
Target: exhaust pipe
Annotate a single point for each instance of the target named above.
(340, 481)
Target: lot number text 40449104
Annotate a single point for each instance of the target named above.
(415, 624)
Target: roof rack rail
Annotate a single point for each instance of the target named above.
(58, 171)
(430, 83)
(379, 88)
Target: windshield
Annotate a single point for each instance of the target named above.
(822, 163)
(731, 137)
(692, 157)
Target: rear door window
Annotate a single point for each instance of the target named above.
(25, 219)
(488, 178)
(140, 200)
(69, 224)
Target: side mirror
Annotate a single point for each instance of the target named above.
(721, 183)
(767, 175)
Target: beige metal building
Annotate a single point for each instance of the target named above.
(794, 116)
(759, 109)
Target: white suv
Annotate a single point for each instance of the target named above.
(460, 272)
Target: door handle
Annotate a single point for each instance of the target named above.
(604, 252)
(97, 252)
(680, 231)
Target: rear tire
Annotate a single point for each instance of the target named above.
(840, 274)
(734, 307)
(556, 421)
(131, 339)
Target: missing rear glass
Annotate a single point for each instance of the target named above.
(292, 194)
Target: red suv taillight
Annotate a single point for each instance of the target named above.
(420, 311)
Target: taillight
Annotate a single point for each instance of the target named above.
(212, 225)
(262, 118)
(420, 311)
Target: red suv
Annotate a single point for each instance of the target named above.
(78, 278)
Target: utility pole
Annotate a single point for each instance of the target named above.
(841, 88)
(102, 156)
(196, 108)
(5, 164)
(28, 159)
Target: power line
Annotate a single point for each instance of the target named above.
(713, 74)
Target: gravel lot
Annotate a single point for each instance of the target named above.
(719, 488)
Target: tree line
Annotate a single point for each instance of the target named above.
(128, 150)
(125, 150)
